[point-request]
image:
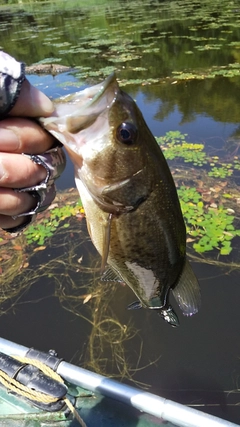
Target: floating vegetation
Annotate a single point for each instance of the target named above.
(211, 226)
(230, 70)
(204, 36)
(48, 224)
(221, 171)
(174, 146)
(210, 223)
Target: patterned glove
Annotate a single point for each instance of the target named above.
(12, 75)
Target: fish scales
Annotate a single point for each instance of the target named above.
(129, 196)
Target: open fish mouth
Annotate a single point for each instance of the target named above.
(91, 102)
(78, 114)
(99, 90)
(97, 97)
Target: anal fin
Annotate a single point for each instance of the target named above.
(111, 276)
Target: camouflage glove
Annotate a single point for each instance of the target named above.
(12, 75)
(11, 79)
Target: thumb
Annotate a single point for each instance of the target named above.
(32, 102)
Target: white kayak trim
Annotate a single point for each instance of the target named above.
(176, 413)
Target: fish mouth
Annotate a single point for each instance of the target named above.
(91, 104)
(96, 98)
(108, 85)
(78, 111)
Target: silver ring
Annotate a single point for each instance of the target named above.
(54, 161)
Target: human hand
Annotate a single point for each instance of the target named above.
(19, 134)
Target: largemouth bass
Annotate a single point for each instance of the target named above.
(129, 196)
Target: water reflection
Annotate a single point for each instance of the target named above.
(216, 98)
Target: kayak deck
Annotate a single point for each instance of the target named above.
(100, 401)
(94, 409)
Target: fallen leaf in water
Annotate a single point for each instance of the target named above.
(40, 248)
(52, 206)
(88, 297)
(17, 248)
(3, 242)
(5, 257)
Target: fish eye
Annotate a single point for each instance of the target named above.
(127, 133)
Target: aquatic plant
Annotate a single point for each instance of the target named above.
(210, 224)
(39, 231)
(13, 260)
(174, 146)
(221, 171)
(210, 227)
(203, 34)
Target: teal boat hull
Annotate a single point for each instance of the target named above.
(95, 410)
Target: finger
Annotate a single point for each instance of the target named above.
(13, 203)
(7, 222)
(32, 102)
(20, 172)
(18, 135)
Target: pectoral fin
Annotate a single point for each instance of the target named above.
(134, 305)
(187, 291)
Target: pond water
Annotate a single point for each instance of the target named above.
(179, 61)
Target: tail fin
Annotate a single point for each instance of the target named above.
(187, 291)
